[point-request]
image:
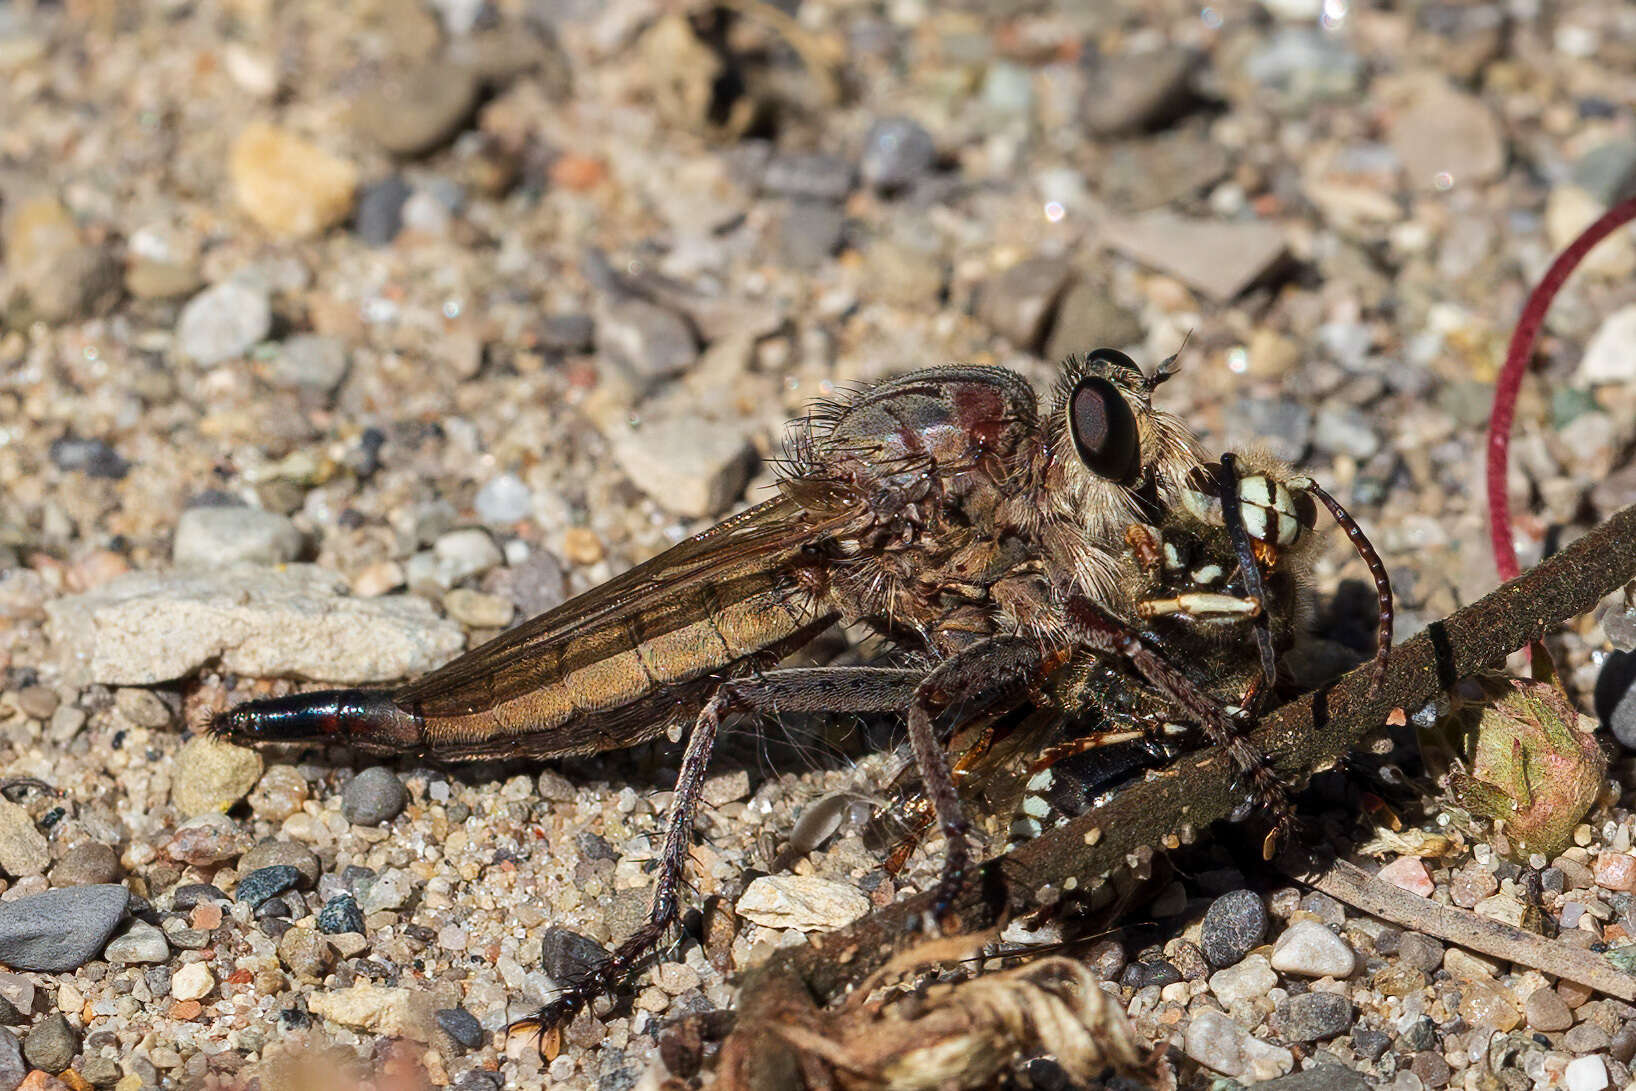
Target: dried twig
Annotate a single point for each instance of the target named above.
(1357, 888)
(1306, 736)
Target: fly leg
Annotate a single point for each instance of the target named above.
(1096, 629)
(817, 689)
(978, 679)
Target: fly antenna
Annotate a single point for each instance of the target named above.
(1170, 364)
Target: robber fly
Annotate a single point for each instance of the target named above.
(946, 510)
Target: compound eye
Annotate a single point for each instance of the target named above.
(1104, 430)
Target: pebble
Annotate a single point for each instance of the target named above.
(379, 215)
(308, 955)
(1151, 972)
(808, 177)
(23, 849)
(87, 863)
(142, 707)
(279, 793)
(1610, 355)
(1235, 923)
(60, 930)
(192, 982)
(1125, 93)
(374, 797)
(391, 889)
(1282, 425)
(275, 853)
(92, 457)
(12, 1066)
(1585, 1074)
(214, 537)
(1087, 317)
(689, 469)
(365, 1006)
(1370, 1044)
(503, 500)
(1162, 170)
(310, 361)
(295, 620)
(255, 887)
(341, 914)
(52, 1044)
(567, 956)
(140, 943)
(287, 185)
(1444, 136)
(1312, 950)
(1345, 430)
(464, 553)
(1249, 978)
(1315, 1016)
(1586, 1037)
(809, 234)
(479, 610)
(902, 274)
(1218, 1043)
(462, 1027)
(897, 153)
(805, 903)
(148, 279)
(417, 109)
(209, 838)
(1615, 871)
(1568, 211)
(1304, 65)
(1408, 873)
(63, 277)
(649, 342)
(222, 322)
(37, 702)
(212, 775)
(1421, 952)
(1019, 302)
(1218, 259)
(568, 332)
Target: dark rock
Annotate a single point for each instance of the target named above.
(1139, 975)
(1320, 1077)
(1130, 92)
(379, 216)
(340, 914)
(897, 152)
(1312, 1017)
(462, 1026)
(271, 853)
(1370, 1044)
(373, 797)
(649, 342)
(573, 332)
(92, 457)
(568, 956)
(1432, 1069)
(1233, 925)
(51, 1045)
(13, 1069)
(1420, 1035)
(255, 887)
(189, 895)
(60, 930)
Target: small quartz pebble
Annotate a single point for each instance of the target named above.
(213, 537)
(142, 707)
(1250, 978)
(273, 852)
(1408, 873)
(1234, 923)
(191, 982)
(479, 610)
(141, 943)
(308, 955)
(373, 797)
(1585, 1074)
(222, 322)
(802, 902)
(1312, 950)
(212, 775)
(1615, 871)
(279, 793)
(1218, 1043)
(23, 849)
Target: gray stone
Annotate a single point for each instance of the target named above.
(87, 863)
(689, 468)
(1323, 1076)
(216, 537)
(141, 943)
(1444, 136)
(1020, 302)
(60, 930)
(13, 1069)
(272, 853)
(503, 500)
(340, 914)
(462, 1028)
(808, 176)
(1088, 318)
(379, 215)
(310, 361)
(1310, 949)
(51, 1045)
(1303, 65)
(567, 956)
(809, 234)
(92, 457)
(223, 322)
(256, 887)
(897, 152)
(1315, 1016)
(1608, 171)
(373, 797)
(1282, 424)
(295, 621)
(651, 343)
(1345, 430)
(1220, 260)
(1162, 170)
(142, 707)
(1128, 92)
(417, 109)
(1234, 924)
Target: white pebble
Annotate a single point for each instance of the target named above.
(1588, 1073)
(1312, 950)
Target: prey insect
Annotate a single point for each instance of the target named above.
(948, 510)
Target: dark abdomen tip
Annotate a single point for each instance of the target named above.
(359, 717)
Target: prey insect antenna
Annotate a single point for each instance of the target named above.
(1377, 571)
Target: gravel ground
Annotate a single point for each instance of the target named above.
(336, 338)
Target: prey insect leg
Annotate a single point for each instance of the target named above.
(1232, 514)
(983, 676)
(816, 689)
(1094, 628)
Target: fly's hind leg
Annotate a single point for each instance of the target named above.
(818, 689)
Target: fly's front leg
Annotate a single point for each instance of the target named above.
(819, 689)
(978, 679)
(1096, 629)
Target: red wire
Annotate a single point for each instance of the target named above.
(1523, 341)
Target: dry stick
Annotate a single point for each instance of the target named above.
(1356, 887)
(1306, 736)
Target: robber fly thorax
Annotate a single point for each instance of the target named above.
(1024, 551)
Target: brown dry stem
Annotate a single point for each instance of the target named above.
(1306, 736)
